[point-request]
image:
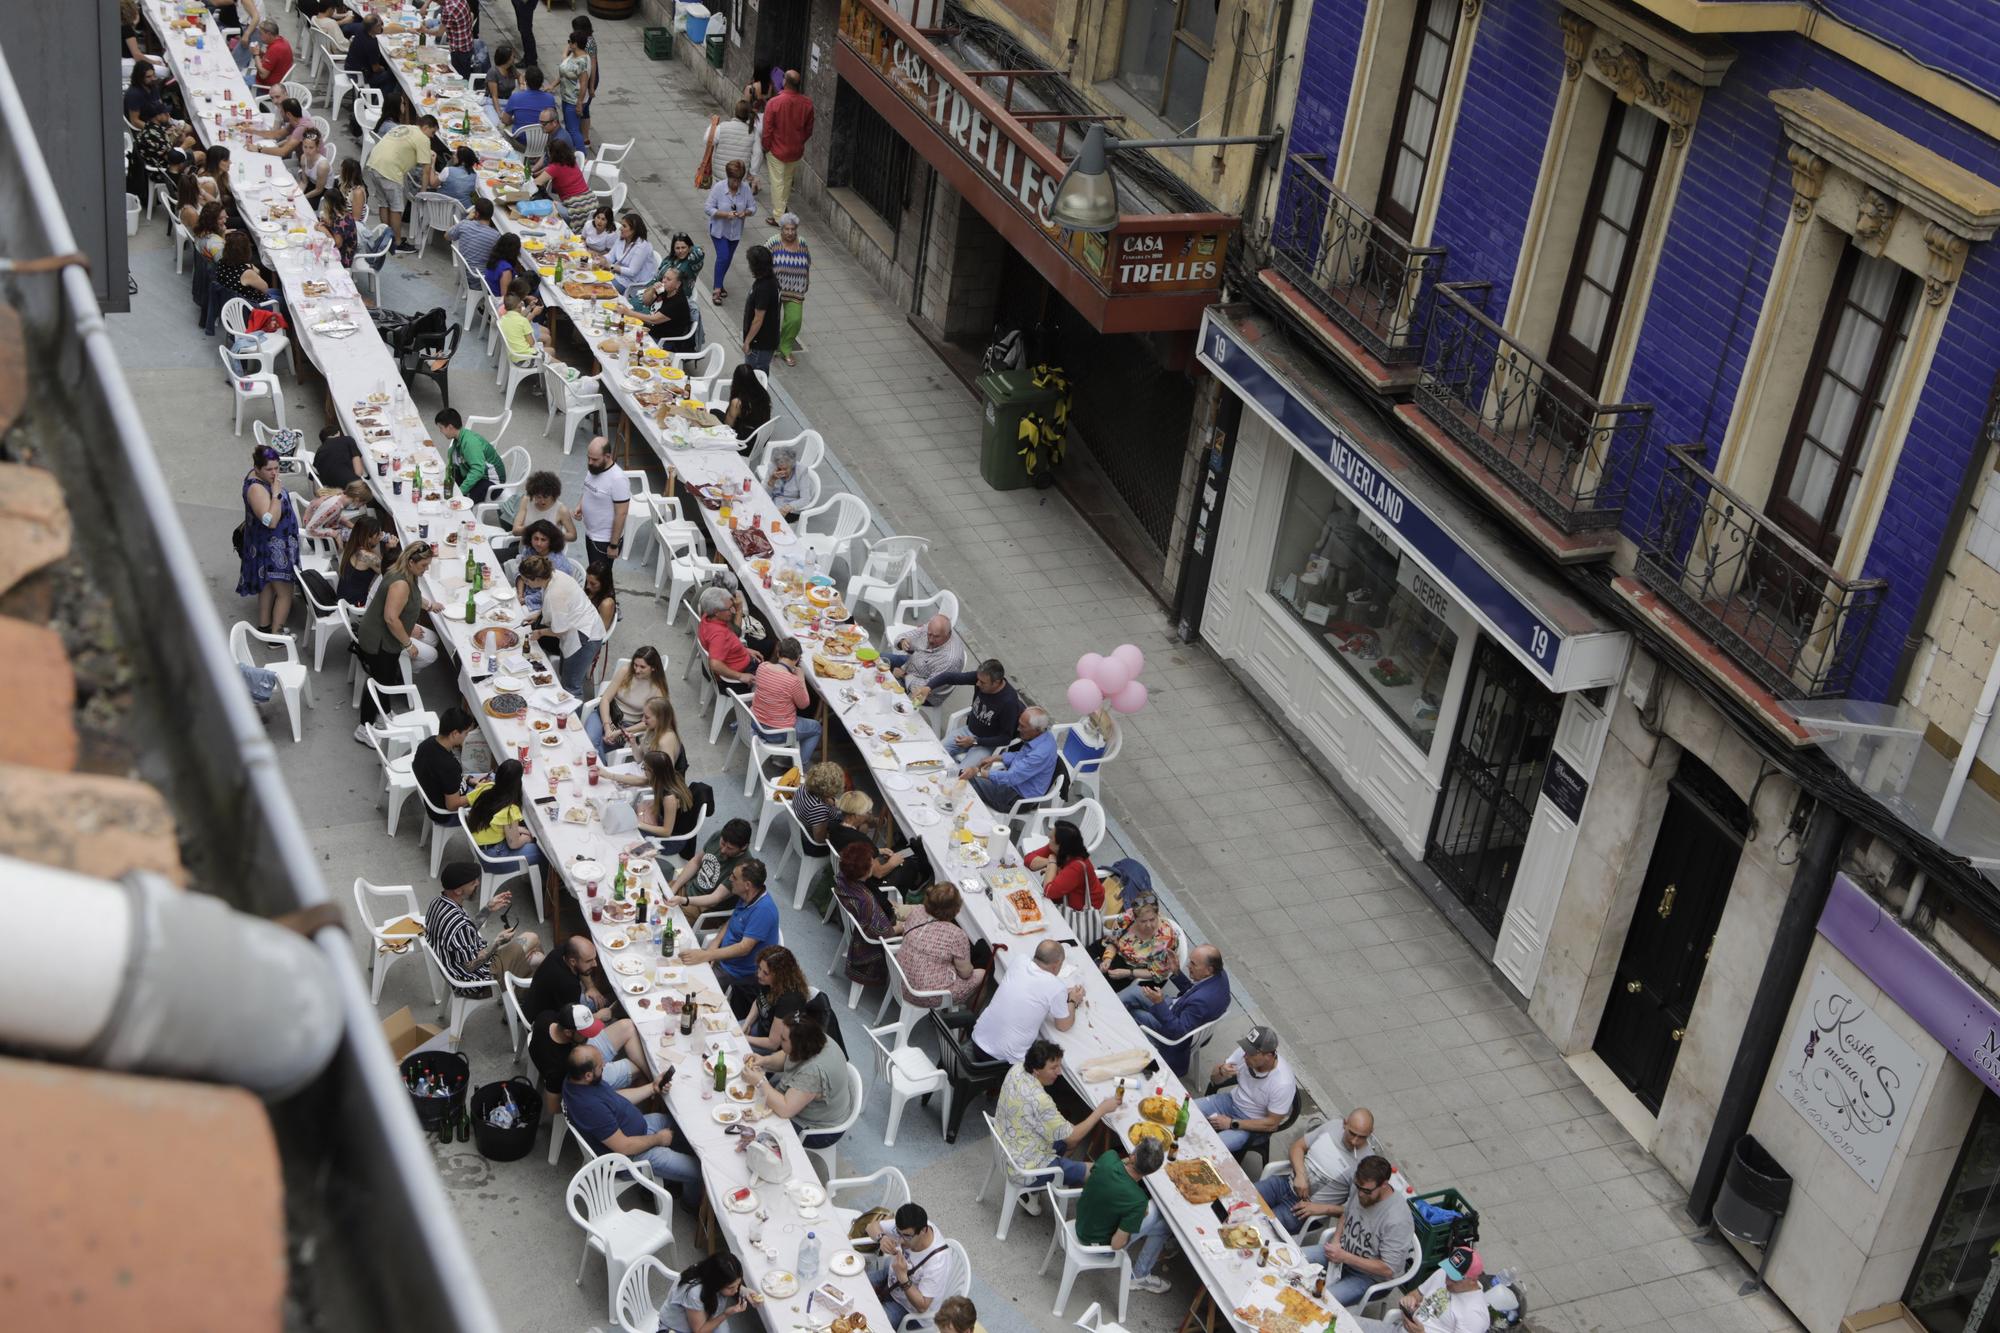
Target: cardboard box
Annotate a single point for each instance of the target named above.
(1894, 1317)
(406, 1036)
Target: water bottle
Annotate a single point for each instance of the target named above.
(808, 1264)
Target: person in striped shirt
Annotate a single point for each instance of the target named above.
(456, 938)
(791, 261)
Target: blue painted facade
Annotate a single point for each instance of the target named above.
(1720, 245)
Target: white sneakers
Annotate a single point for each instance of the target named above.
(361, 733)
(1154, 1283)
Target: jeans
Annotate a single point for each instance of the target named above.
(808, 733)
(725, 250)
(530, 852)
(524, 22)
(573, 122)
(967, 754)
(593, 727)
(1224, 1102)
(997, 795)
(1073, 1172)
(758, 358)
(1150, 1245)
(1283, 1200)
(576, 666)
(667, 1163)
(1135, 1001)
(1351, 1287)
(879, 1277)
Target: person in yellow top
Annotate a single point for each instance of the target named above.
(394, 156)
(494, 818)
(955, 1314)
(520, 332)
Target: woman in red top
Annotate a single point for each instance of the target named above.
(561, 178)
(1068, 877)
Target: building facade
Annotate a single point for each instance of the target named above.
(942, 132)
(1597, 478)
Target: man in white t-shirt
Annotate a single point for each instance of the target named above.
(1320, 1176)
(1264, 1092)
(607, 499)
(1449, 1301)
(916, 1269)
(1026, 997)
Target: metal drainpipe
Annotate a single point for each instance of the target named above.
(1764, 1028)
(1968, 750)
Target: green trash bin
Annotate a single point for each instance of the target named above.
(1010, 395)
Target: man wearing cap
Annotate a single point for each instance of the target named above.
(1321, 1174)
(610, 1119)
(1376, 1236)
(454, 932)
(564, 979)
(1457, 1305)
(1203, 998)
(556, 1032)
(1264, 1092)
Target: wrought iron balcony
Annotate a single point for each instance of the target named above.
(1360, 274)
(1566, 454)
(1781, 613)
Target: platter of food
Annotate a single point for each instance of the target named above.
(589, 291)
(828, 669)
(496, 639)
(1241, 1236)
(1160, 1110)
(1146, 1129)
(1197, 1181)
(1296, 1312)
(506, 705)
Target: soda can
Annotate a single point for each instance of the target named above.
(423, 531)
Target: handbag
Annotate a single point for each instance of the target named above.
(704, 174)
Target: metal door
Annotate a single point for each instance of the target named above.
(1673, 930)
(1492, 778)
(783, 28)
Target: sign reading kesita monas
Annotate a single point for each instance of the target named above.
(1850, 1076)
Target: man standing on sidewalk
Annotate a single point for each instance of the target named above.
(524, 20)
(788, 124)
(458, 27)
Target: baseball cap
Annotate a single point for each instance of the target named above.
(583, 1022)
(1261, 1040)
(1463, 1262)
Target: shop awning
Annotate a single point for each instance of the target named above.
(1555, 633)
(1154, 272)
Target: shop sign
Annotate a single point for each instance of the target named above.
(1851, 1077)
(1166, 261)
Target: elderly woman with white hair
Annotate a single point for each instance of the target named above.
(791, 263)
(784, 481)
(731, 662)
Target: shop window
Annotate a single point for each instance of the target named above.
(869, 157)
(1370, 606)
(1951, 1278)
(1163, 59)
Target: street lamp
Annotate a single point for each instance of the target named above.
(1087, 198)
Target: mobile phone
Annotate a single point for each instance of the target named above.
(546, 800)
(1221, 1213)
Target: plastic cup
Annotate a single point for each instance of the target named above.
(562, 721)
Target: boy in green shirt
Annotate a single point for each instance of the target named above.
(474, 463)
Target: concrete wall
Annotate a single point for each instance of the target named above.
(1844, 1246)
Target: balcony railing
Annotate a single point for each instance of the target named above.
(1360, 274)
(1568, 455)
(1782, 613)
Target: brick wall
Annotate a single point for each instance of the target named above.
(1326, 72)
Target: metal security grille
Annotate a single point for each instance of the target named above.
(1132, 414)
(870, 158)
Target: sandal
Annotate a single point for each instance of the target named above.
(719, 297)
(790, 362)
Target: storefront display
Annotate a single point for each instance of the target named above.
(1364, 601)
(1952, 1286)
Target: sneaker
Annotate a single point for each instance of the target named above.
(361, 733)
(403, 248)
(1031, 1204)
(1154, 1283)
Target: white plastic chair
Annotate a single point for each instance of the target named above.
(512, 988)
(532, 140)
(1019, 1179)
(828, 1156)
(293, 681)
(320, 553)
(636, 1308)
(439, 834)
(1092, 1320)
(623, 1237)
(809, 866)
(465, 995)
(324, 622)
(395, 748)
(807, 477)
(890, 564)
(1087, 815)
(809, 445)
(365, 269)
(513, 374)
(476, 298)
(394, 926)
(912, 614)
(908, 1015)
(1193, 1039)
(496, 869)
(1081, 1258)
(842, 519)
(183, 239)
(681, 564)
(850, 929)
(612, 154)
(704, 364)
(251, 380)
(568, 399)
(603, 178)
(401, 707)
(907, 1070)
(961, 1285)
(763, 774)
(886, 1188)
(432, 211)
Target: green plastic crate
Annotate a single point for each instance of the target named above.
(1437, 1238)
(660, 43)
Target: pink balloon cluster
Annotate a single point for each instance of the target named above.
(1109, 678)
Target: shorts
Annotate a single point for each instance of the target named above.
(618, 1071)
(389, 194)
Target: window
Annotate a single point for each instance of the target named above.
(1373, 609)
(1957, 1259)
(1413, 133)
(1839, 412)
(1164, 58)
(1621, 187)
(869, 157)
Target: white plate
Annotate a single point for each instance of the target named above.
(512, 685)
(746, 1204)
(727, 1115)
(923, 816)
(638, 985)
(628, 967)
(897, 781)
(845, 1264)
(583, 868)
(806, 1196)
(780, 1283)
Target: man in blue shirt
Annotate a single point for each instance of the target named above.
(990, 719)
(1021, 773)
(610, 1120)
(525, 107)
(1204, 995)
(751, 927)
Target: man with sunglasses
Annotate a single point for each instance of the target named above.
(1377, 1234)
(1321, 1177)
(915, 1270)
